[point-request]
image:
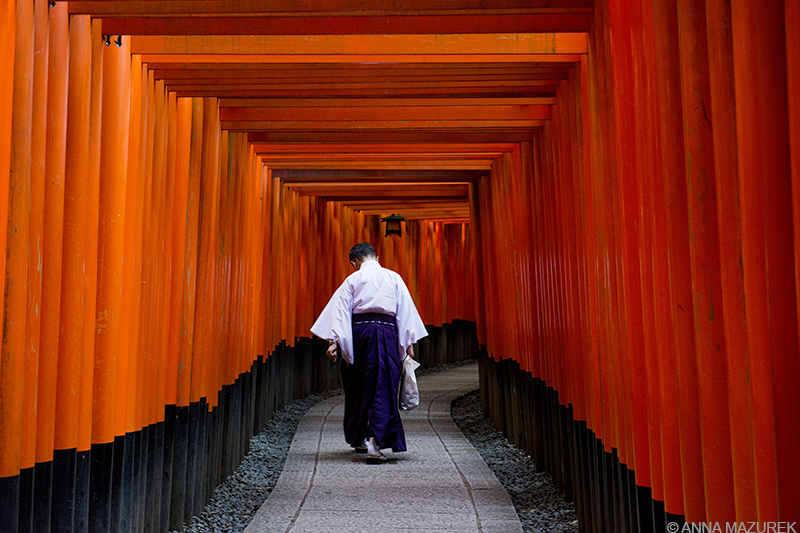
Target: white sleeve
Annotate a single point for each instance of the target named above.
(410, 327)
(335, 321)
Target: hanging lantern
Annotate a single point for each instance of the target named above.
(393, 225)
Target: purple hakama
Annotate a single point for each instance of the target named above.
(371, 383)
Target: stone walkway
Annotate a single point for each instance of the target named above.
(439, 484)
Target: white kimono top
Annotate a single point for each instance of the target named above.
(371, 289)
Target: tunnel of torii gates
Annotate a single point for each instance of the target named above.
(603, 208)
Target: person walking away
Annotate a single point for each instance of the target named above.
(371, 321)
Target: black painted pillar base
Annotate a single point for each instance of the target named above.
(100, 476)
(9, 504)
(26, 487)
(83, 465)
(62, 513)
(607, 498)
(42, 495)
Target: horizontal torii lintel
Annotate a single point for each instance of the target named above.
(410, 210)
(160, 57)
(394, 165)
(397, 196)
(390, 136)
(260, 125)
(423, 188)
(327, 73)
(380, 102)
(337, 69)
(367, 80)
(447, 113)
(365, 86)
(442, 218)
(275, 160)
(318, 46)
(364, 148)
(347, 25)
(416, 204)
(317, 8)
(548, 89)
(295, 174)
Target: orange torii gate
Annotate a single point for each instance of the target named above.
(601, 202)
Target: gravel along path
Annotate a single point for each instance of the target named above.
(237, 499)
(539, 505)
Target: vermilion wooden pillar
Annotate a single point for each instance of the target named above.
(753, 262)
(159, 216)
(131, 289)
(477, 243)
(70, 345)
(778, 250)
(77, 168)
(633, 411)
(175, 216)
(113, 186)
(792, 33)
(12, 356)
(36, 230)
(677, 250)
(648, 162)
(723, 106)
(792, 21)
(707, 288)
(191, 244)
(183, 237)
(139, 330)
(88, 201)
(8, 20)
(56, 131)
(206, 264)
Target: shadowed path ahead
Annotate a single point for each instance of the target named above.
(439, 484)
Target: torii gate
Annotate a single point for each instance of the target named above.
(607, 190)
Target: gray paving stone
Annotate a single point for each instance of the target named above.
(440, 484)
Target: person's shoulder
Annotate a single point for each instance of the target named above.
(394, 275)
(387, 270)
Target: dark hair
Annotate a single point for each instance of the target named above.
(361, 250)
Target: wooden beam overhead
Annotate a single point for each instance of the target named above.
(383, 190)
(400, 164)
(277, 159)
(253, 103)
(348, 25)
(506, 44)
(336, 125)
(547, 89)
(421, 212)
(345, 70)
(365, 87)
(309, 8)
(387, 205)
(368, 148)
(396, 80)
(288, 175)
(439, 113)
(396, 108)
(152, 54)
(390, 136)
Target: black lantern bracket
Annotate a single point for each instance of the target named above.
(393, 225)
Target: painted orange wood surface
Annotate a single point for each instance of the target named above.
(615, 207)
(13, 350)
(52, 239)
